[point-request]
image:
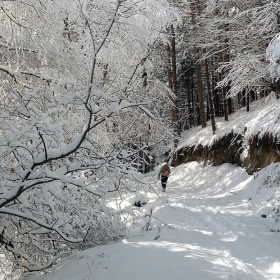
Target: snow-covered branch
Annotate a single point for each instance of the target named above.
(65, 147)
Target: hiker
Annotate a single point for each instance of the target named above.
(163, 175)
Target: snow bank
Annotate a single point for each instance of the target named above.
(263, 117)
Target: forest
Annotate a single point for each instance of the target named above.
(95, 93)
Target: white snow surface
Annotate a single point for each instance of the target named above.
(273, 55)
(207, 225)
(263, 118)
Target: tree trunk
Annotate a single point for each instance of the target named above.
(244, 98)
(193, 105)
(221, 60)
(199, 89)
(189, 102)
(277, 89)
(210, 100)
(172, 83)
(247, 101)
(175, 112)
(226, 59)
(216, 96)
(195, 7)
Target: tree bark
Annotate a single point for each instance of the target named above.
(193, 105)
(195, 7)
(172, 82)
(189, 102)
(226, 59)
(247, 101)
(225, 103)
(175, 111)
(199, 89)
(277, 89)
(210, 98)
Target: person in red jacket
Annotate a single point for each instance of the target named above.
(163, 174)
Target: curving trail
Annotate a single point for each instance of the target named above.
(216, 225)
(205, 227)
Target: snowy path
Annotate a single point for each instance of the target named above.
(211, 233)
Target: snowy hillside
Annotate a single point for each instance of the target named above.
(263, 117)
(207, 226)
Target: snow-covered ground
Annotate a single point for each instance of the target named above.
(263, 118)
(207, 225)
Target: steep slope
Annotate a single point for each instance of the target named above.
(248, 139)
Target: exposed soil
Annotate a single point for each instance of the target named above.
(261, 152)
